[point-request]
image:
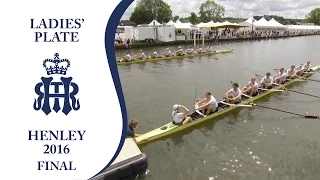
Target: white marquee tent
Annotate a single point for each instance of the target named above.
(276, 24)
(180, 25)
(302, 28)
(154, 22)
(170, 23)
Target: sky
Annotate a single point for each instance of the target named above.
(296, 9)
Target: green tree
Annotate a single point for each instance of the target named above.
(126, 23)
(184, 20)
(314, 16)
(193, 18)
(286, 22)
(175, 18)
(210, 10)
(147, 10)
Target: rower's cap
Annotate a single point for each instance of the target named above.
(175, 107)
(167, 49)
(179, 47)
(140, 50)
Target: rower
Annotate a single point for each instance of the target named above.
(280, 77)
(199, 50)
(180, 115)
(179, 52)
(299, 70)
(189, 51)
(266, 81)
(291, 73)
(167, 53)
(154, 54)
(141, 55)
(209, 48)
(233, 96)
(208, 105)
(251, 88)
(127, 57)
(306, 67)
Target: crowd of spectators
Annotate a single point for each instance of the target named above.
(229, 33)
(234, 33)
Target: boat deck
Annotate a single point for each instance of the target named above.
(129, 161)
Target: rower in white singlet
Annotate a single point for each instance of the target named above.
(180, 115)
(154, 54)
(189, 51)
(306, 67)
(208, 105)
(126, 58)
(209, 48)
(141, 55)
(251, 88)
(280, 77)
(299, 69)
(167, 53)
(291, 73)
(266, 82)
(179, 52)
(199, 50)
(233, 96)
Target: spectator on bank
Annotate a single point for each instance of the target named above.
(128, 44)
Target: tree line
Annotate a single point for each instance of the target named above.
(147, 10)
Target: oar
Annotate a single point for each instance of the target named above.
(195, 98)
(305, 116)
(313, 80)
(275, 90)
(296, 91)
(239, 105)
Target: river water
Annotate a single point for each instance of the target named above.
(249, 143)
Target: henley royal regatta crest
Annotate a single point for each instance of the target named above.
(56, 68)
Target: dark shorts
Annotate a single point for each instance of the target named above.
(177, 124)
(256, 93)
(205, 110)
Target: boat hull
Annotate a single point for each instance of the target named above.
(170, 128)
(175, 57)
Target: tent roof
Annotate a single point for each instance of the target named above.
(250, 20)
(170, 23)
(275, 23)
(180, 25)
(156, 23)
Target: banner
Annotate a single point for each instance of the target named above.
(63, 113)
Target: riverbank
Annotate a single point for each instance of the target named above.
(159, 43)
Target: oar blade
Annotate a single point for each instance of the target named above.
(312, 117)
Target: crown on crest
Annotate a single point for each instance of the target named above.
(56, 65)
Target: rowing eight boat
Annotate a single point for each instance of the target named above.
(175, 57)
(197, 117)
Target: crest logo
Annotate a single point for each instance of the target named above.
(56, 67)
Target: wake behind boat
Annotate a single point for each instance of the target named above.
(223, 107)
